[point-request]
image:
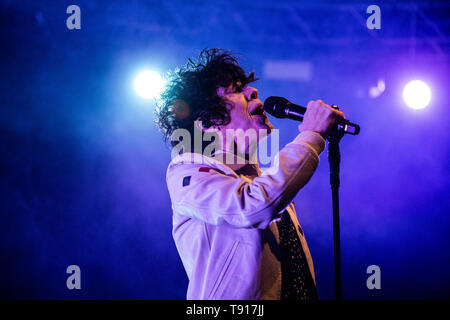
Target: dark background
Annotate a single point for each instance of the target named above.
(83, 166)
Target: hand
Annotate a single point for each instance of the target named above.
(320, 117)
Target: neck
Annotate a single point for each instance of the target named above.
(236, 160)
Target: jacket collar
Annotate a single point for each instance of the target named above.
(231, 161)
(238, 164)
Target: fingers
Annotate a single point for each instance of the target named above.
(322, 106)
(320, 117)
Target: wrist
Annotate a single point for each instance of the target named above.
(313, 139)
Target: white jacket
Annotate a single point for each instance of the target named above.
(223, 222)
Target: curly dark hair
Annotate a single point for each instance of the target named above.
(191, 92)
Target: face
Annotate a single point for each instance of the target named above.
(246, 113)
(246, 110)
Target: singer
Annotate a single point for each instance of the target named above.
(234, 226)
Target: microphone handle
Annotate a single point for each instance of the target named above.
(343, 125)
(294, 115)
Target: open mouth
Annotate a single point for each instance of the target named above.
(258, 111)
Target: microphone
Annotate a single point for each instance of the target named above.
(282, 108)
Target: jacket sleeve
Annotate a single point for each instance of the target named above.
(219, 199)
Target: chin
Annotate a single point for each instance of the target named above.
(267, 126)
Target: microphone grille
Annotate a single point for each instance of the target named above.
(276, 106)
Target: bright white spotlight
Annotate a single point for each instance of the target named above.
(417, 94)
(149, 84)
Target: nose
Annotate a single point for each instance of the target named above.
(251, 93)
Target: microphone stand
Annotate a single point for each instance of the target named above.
(281, 108)
(334, 158)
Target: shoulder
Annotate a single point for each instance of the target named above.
(190, 173)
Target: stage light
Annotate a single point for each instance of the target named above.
(417, 94)
(149, 84)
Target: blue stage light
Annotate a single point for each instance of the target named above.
(149, 84)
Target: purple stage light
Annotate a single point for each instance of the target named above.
(417, 94)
